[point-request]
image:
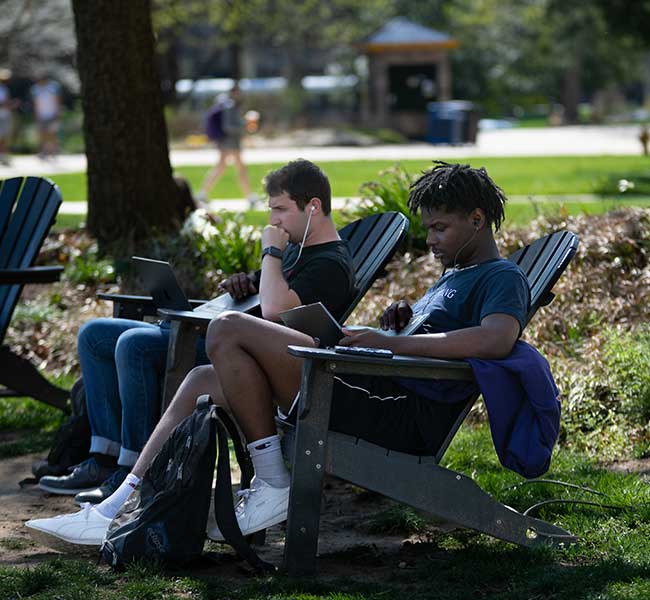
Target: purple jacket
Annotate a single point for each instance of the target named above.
(523, 407)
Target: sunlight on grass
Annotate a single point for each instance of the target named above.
(515, 175)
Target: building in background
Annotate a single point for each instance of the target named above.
(408, 67)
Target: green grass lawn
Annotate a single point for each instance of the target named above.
(612, 560)
(517, 213)
(517, 176)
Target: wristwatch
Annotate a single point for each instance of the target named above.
(273, 251)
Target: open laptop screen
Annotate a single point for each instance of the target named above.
(159, 280)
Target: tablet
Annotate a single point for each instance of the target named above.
(314, 320)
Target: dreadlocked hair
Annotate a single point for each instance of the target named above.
(458, 188)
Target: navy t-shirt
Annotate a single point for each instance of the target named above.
(462, 298)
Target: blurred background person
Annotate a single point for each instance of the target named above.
(6, 106)
(225, 126)
(46, 98)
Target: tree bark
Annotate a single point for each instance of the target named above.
(571, 90)
(131, 192)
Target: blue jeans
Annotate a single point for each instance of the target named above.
(123, 367)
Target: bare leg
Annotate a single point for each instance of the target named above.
(250, 358)
(215, 173)
(52, 142)
(200, 380)
(243, 175)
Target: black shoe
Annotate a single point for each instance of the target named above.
(42, 468)
(105, 489)
(86, 476)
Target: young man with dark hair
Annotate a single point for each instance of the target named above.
(476, 309)
(123, 361)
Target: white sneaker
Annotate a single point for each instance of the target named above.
(84, 528)
(261, 506)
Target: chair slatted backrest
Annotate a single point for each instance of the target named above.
(28, 207)
(543, 262)
(372, 241)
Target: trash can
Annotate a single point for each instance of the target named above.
(452, 122)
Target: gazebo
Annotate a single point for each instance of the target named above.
(408, 67)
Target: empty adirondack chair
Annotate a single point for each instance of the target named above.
(415, 480)
(28, 208)
(372, 242)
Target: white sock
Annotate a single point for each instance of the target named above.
(109, 507)
(268, 462)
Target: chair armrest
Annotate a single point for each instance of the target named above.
(397, 366)
(186, 316)
(144, 300)
(30, 275)
(135, 307)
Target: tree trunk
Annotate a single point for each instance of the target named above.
(571, 92)
(131, 192)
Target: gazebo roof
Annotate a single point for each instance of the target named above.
(400, 33)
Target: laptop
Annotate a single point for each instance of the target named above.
(160, 281)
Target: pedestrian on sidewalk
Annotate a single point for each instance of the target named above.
(46, 97)
(6, 123)
(225, 127)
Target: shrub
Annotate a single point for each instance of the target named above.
(88, 269)
(207, 251)
(391, 192)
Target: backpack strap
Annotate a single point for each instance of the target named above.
(224, 509)
(241, 453)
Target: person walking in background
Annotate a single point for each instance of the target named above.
(6, 105)
(46, 97)
(225, 127)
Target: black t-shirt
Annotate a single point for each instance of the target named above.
(324, 273)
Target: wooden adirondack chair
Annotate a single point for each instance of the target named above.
(415, 480)
(28, 208)
(372, 241)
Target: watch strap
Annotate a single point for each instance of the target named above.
(273, 251)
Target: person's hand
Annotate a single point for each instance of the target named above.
(365, 338)
(274, 236)
(239, 285)
(396, 316)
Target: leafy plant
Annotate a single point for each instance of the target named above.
(88, 269)
(391, 192)
(208, 250)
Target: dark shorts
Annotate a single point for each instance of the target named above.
(380, 411)
(229, 144)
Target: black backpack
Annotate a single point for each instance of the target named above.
(164, 521)
(71, 442)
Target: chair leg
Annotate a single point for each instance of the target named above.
(181, 357)
(22, 378)
(308, 471)
(441, 492)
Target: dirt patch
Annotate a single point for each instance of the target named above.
(344, 533)
(640, 466)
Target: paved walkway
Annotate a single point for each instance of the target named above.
(558, 141)
(241, 205)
